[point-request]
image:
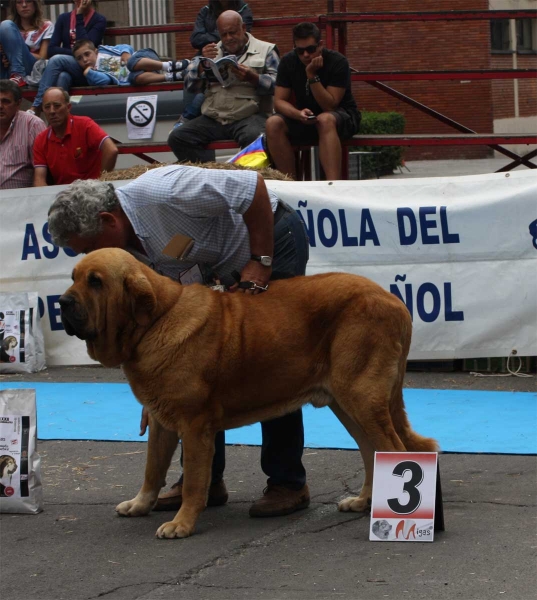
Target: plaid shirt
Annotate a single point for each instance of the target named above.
(196, 83)
(16, 154)
(205, 205)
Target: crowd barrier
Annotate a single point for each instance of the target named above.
(461, 252)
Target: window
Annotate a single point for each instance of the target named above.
(525, 35)
(499, 35)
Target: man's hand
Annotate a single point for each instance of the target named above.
(144, 420)
(246, 74)
(314, 66)
(305, 117)
(209, 51)
(256, 272)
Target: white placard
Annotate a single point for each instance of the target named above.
(141, 117)
(404, 493)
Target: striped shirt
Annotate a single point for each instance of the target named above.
(203, 204)
(16, 155)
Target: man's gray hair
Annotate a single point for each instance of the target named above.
(76, 210)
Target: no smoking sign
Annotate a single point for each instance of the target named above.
(141, 116)
(141, 113)
(406, 497)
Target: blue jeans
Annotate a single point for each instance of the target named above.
(192, 103)
(133, 61)
(283, 438)
(62, 71)
(21, 60)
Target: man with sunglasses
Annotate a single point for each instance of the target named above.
(323, 110)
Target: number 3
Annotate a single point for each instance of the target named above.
(410, 487)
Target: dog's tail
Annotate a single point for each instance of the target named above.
(414, 442)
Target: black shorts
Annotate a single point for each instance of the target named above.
(347, 125)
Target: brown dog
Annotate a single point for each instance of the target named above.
(203, 361)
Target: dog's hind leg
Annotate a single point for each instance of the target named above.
(198, 452)
(160, 448)
(363, 501)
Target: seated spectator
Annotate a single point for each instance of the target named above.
(71, 147)
(24, 39)
(204, 39)
(239, 111)
(314, 103)
(82, 23)
(18, 131)
(121, 65)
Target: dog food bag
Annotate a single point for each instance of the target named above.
(20, 473)
(22, 347)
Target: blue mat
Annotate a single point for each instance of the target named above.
(461, 421)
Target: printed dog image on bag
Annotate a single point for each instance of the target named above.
(7, 349)
(8, 466)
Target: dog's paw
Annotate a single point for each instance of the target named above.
(172, 529)
(355, 504)
(133, 508)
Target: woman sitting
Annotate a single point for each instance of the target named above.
(24, 39)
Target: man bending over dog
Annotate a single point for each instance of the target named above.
(216, 223)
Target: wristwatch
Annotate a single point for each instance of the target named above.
(266, 261)
(313, 80)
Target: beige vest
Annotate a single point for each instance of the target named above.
(241, 100)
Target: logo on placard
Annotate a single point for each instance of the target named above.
(9, 491)
(141, 113)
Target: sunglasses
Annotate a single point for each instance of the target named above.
(309, 49)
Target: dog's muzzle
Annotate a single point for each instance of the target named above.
(74, 322)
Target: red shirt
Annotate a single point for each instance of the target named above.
(76, 156)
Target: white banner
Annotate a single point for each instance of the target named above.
(461, 252)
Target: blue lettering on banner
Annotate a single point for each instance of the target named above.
(345, 237)
(30, 244)
(408, 226)
(328, 228)
(54, 312)
(53, 253)
(325, 215)
(426, 291)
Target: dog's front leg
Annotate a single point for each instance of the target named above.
(198, 452)
(160, 448)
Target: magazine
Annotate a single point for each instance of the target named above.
(221, 70)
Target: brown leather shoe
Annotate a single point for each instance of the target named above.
(173, 499)
(278, 500)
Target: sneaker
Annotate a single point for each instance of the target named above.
(278, 500)
(173, 499)
(179, 65)
(18, 79)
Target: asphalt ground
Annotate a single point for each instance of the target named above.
(78, 549)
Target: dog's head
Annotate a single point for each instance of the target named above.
(382, 529)
(113, 300)
(8, 465)
(10, 342)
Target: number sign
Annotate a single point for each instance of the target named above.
(404, 491)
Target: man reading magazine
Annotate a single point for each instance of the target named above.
(235, 107)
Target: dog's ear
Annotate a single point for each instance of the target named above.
(142, 298)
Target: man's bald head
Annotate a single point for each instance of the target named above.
(232, 32)
(229, 17)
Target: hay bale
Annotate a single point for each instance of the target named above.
(136, 171)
